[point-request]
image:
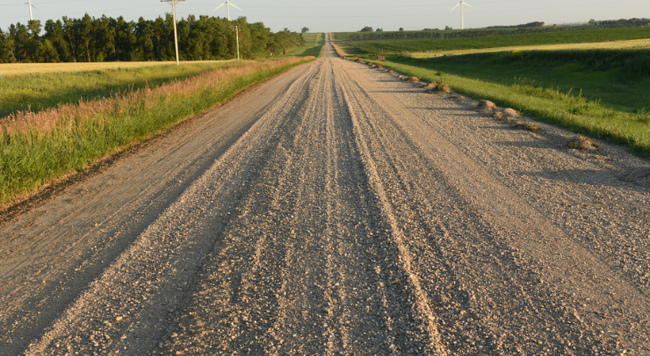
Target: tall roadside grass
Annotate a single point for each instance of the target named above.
(41, 90)
(39, 147)
(566, 109)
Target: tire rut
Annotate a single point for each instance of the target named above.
(350, 216)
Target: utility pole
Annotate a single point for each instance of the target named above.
(237, 35)
(175, 33)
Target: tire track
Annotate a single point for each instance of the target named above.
(335, 292)
(350, 219)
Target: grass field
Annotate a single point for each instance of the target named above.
(8, 70)
(345, 36)
(601, 101)
(617, 79)
(473, 43)
(614, 45)
(314, 43)
(66, 83)
(36, 148)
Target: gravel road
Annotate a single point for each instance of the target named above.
(337, 209)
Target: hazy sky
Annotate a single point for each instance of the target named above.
(341, 15)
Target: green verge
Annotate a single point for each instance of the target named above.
(314, 43)
(564, 109)
(38, 92)
(29, 161)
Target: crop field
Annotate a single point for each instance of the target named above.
(345, 36)
(9, 70)
(473, 43)
(613, 45)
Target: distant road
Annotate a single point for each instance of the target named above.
(336, 209)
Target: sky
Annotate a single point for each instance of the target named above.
(341, 15)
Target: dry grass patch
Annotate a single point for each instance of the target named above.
(443, 88)
(511, 113)
(486, 106)
(500, 117)
(430, 86)
(528, 126)
(413, 79)
(582, 143)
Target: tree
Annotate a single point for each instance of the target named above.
(54, 33)
(305, 29)
(401, 29)
(366, 29)
(108, 39)
(592, 22)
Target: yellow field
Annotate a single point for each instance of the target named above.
(631, 44)
(13, 69)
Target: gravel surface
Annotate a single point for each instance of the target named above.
(337, 209)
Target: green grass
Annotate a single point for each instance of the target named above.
(54, 144)
(616, 79)
(594, 108)
(450, 44)
(346, 36)
(314, 43)
(40, 91)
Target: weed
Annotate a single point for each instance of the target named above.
(443, 88)
(582, 143)
(486, 106)
(528, 126)
(642, 116)
(500, 117)
(509, 112)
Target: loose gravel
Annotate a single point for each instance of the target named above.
(340, 210)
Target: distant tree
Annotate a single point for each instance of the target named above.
(107, 39)
(305, 29)
(366, 29)
(379, 29)
(447, 28)
(592, 22)
(401, 29)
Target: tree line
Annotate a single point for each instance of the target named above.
(103, 39)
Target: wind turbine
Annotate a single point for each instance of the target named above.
(228, 4)
(461, 4)
(31, 18)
